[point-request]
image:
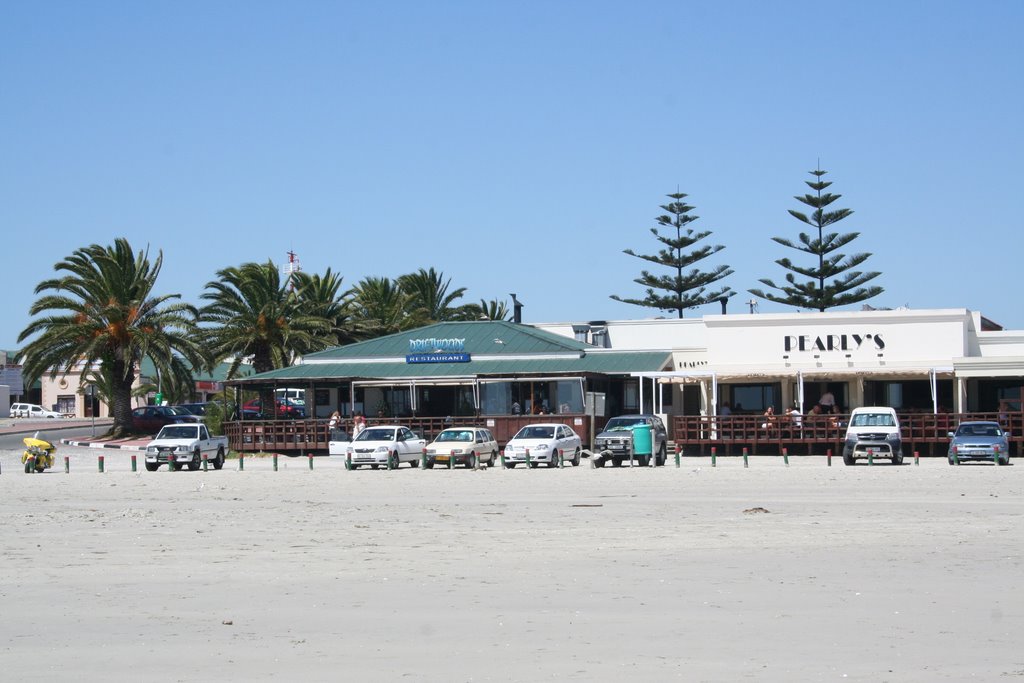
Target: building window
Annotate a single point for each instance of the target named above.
(749, 398)
(66, 405)
(631, 397)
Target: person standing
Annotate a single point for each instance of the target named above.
(827, 402)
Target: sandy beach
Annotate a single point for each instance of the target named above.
(804, 572)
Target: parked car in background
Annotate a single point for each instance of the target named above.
(615, 442)
(979, 441)
(149, 419)
(384, 444)
(31, 410)
(197, 409)
(283, 409)
(465, 445)
(544, 442)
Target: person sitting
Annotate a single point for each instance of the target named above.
(769, 419)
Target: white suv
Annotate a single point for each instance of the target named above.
(31, 410)
(874, 431)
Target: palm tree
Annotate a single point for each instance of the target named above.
(252, 313)
(103, 314)
(430, 301)
(320, 294)
(380, 305)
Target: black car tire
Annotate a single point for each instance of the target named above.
(471, 461)
(218, 462)
(510, 466)
(662, 455)
(848, 459)
(576, 458)
(898, 458)
(617, 461)
(195, 462)
(152, 466)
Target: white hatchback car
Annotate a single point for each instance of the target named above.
(469, 445)
(544, 442)
(31, 410)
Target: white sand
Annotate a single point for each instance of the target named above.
(865, 574)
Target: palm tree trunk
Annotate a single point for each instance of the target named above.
(122, 379)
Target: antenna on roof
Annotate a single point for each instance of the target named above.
(291, 268)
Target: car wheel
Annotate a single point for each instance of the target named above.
(373, 467)
(643, 460)
(152, 466)
(949, 459)
(848, 459)
(393, 461)
(471, 461)
(662, 455)
(576, 458)
(194, 463)
(494, 459)
(510, 466)
(898, 458)
(218, 462)
(429, 463)
(534, 464)
(1003, 461)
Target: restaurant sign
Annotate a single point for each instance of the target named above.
(437, 358)
(435, 350)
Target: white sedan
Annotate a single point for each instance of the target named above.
(384, 445)
(544, 443)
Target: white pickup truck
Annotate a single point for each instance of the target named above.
(185, 444)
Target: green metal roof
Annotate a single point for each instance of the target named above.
(594, 362)
(219, 374)
(480, 337)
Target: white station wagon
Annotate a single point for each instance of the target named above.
(32, 410)
(468, 445)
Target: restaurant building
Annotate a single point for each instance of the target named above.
(496, 373)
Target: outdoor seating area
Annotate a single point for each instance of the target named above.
(809, 434)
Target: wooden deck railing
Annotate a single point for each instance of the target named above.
(816, 433)
(297, 436)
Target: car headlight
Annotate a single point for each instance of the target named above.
(541, 447)
(382, 449)
(151, 450)
(182, 449)
(892, 437)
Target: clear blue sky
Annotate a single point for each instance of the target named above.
(517, 147)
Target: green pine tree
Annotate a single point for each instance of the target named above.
(687, 286)
(833, 280)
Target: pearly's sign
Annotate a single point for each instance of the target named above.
(833, 342)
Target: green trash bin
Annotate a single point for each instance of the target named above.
(642, 440)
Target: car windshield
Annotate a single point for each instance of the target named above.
(455, 435)
(978, 430)
(873, 420)
(178, 432)
(376, 434)
(535, 432)
(617, 423)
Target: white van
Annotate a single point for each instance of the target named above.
(31, 410)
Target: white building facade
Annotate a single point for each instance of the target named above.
(942, 360)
